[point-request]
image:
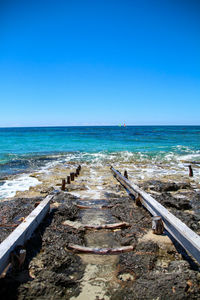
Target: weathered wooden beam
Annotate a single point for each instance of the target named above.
(23, 232)
(180, 231)
(99, 251)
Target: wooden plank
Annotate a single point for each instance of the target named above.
(108, 226)
(23, 232)
(78, 225)
(100, 251)
(180, 231)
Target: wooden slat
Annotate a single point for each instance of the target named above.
(23, 232)
(181, 232)
(100, 251)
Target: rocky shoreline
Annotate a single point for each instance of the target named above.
(156, 269)
(180, 198)
(49, 270)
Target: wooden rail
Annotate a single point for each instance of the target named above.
(23, 232)
(182, 233)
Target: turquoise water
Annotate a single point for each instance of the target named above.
(27, 149)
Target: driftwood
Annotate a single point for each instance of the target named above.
(9, 225)
(84, 206)
(107, 206)
(78, 225)
(107, 226)
(100, 251)
(93, 207)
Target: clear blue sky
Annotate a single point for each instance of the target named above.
(99, 62)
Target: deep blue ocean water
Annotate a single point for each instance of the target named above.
(27, 149)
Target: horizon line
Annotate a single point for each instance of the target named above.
(116, 125)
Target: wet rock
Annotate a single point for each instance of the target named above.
(54, 272)
(179, 282)
(13, 211)
(110, 195)
(78, 187)
(168, 200)
(125, 237)
(190, 220)
(196, 202)
(160, 186)
(124, 209)
(64, 197)
(178, 266)
(69, 212)
(46, 190)
(167, 286)
(157, 272)
(140, 261)
(184, 205)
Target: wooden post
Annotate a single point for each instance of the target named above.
(157, 225)
(137, 200)
(68, 179)
(63, 185)
(72, 176)
(190, 171)
(125, 174)
(36, 203)
(18, 257)
(77, 171)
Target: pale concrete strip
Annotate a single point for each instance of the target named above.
(23, 232)
(179, 230)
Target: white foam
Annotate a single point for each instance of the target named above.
(20, 183)
(190, 156)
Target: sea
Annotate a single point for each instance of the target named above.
(153, 148)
